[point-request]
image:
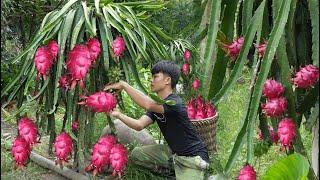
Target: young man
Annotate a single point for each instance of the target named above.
(185, 149)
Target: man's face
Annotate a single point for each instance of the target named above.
(159, 82)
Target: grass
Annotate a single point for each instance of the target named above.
(231, 112)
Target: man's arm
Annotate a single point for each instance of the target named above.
(138, 97)
(143, 122)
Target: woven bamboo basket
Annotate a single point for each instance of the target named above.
(206, 128)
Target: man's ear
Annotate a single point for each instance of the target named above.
(168, 80)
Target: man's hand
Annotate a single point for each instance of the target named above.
(117, 86)
(114, 114)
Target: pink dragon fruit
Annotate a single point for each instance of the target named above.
(64, 82)
(286, 132)
(63, 147)
(78, 64)
(75, 125)
(54, 49)
(94, 48)
(28, 130)
(43, 61)
(306, 77)
(247, 173)
(261, 49)
(196, 84)
(118, 46)
(185, 68)
(201, 113)
(199, 102)
(186, 56)
(100, 156)
(234, 48)
(275, 107)
(272, 89)
(100, 102)
(210, 110)
(20, 151)
(191, 110)
(273, 135)
(118, 159)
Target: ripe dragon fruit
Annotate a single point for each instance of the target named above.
(94, 48)
(20, 151)
(191, 110)
(196, 84)
(186, 56)
(201, 113)
(118, 46)
(199, 102)
(118, 159)
(275, 107)
(63, 147)
(210, 110)
(272, 89)
(43, 61)
(306, 77)
(234, 48)
(75, 125)
(185, 68)
(100, 102)
(78, 64)
(247, 173)
(100, 156)
(261, 49)
(28, 130)
(64, 82)
(54, 49)
(286, 132)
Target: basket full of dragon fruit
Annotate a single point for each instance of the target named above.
(203, 115)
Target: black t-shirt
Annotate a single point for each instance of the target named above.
(178, 131)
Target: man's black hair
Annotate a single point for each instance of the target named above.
(169, 68)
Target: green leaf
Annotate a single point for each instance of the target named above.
(77, 28)
(86, 12)
(64, 34)
(292, 167)
(211, 43)
(313, 118)
(158, 100)
(314, 15)
(246, 14)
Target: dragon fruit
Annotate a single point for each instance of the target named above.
(78, 64)
(186, 56)
(286, 132)
(75, 125)
(28, 130)
(275, 107)
(185, 68)
(64, 82)
(118, 159)
(272, 89)
(234, 48)
(54, 49)
(94, 48)
(118, 46)
(261, 49)
(100, 102)
(43, 61)
(210, 110)
(306, 77)
(247, 173)
(199, 102)
(63, 147)
(201, 113)
(196, 84)
(272, 134)
(191, 110)
(100, 156)
(20, 151)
